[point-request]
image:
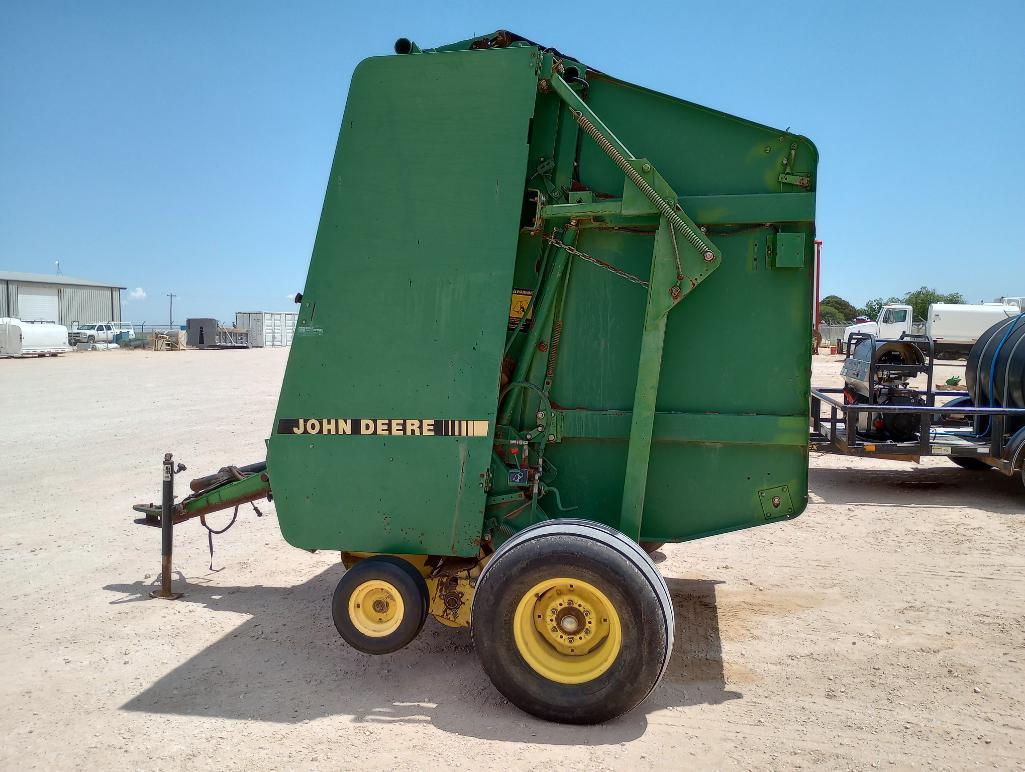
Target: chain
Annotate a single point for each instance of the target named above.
(595, 261)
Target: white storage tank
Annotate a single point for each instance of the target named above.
(18, 338)
(957, 323)
(268, 328)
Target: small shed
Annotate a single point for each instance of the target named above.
(208, 333)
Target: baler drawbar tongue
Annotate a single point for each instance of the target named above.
(229, 487)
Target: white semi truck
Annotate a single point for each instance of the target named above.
(953, 327)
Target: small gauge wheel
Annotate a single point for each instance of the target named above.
(380, 604)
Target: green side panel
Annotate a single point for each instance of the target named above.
(738, 347)
(405, 308)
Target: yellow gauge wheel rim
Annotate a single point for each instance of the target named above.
(567, 630)
(376, 608)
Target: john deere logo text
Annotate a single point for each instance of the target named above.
(392, 427)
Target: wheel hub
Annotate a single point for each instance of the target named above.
(376, 608)
(571, 621)
(567, 630)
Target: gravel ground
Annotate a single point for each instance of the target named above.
(882, 629)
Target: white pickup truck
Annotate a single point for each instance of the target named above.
(98, 333)
(953, 327)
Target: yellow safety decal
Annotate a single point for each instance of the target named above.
(518, 307)
(389, 427)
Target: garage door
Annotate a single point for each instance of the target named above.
(38, 304)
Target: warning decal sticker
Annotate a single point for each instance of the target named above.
(518, 307)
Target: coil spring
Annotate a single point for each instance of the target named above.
(649, 192)
(553, 354)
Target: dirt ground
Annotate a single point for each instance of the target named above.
(885, 628)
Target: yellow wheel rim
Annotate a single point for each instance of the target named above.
(567, 630)
(375, 608)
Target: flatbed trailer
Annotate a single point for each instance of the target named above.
(944, 430)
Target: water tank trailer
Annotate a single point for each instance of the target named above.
(879, 413)
(519, 364)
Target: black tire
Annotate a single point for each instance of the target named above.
(956, 402)
(92, 339)
(967, 462)
(652, 546)
(405, 580)
(604, 559)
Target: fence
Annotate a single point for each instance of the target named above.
(831, 333)
(151, 328)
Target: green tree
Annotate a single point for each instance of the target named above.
(921, 298)
(846, 309)
(831, 315)
(875, 305)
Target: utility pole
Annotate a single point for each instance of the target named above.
(170, 310)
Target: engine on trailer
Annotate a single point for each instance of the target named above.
(879, 372)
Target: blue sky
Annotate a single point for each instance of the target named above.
(185, 147)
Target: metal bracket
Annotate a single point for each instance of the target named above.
(776, 502)
(800, 180)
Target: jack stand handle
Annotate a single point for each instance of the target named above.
(166, 532)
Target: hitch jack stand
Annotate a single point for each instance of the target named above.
(167, 531)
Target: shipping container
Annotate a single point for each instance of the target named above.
(267, 328)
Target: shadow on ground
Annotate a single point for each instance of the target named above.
(287, 664)
(933, 486)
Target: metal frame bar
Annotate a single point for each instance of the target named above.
(649, 373)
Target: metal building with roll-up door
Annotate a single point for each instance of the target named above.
(39, 297)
